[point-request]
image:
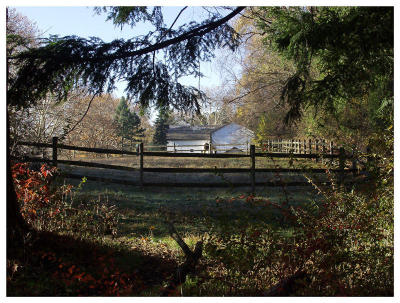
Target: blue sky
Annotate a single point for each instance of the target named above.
(84, 22)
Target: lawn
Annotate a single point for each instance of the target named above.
(146, 210)
(142, 249)
(113, 240)
(197, 213)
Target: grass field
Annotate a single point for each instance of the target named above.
(193, 211)
(145, 211)
(109, 239)
(142, 246)
(197, 162)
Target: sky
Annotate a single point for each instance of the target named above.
(84, 22)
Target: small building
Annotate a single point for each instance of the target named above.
(223, 138)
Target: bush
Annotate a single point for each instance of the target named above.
(341, 245)
(50, 206)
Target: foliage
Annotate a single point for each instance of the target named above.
(344, 245)
(33, 189)
(51, 207)
(106, 280)
(60, 64)
(257, 86)
(64, 266)
(21, 35)
(127, 122)
(97, 128)
(161, 127)
(339, 53)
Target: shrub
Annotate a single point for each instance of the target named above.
(341, 245)
(50, 206)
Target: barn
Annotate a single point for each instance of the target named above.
(223, 138)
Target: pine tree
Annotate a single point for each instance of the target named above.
(161, 127)
(339, 53)
(128, 123)
(60, 64)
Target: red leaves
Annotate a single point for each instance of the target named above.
(250, 198)
(71, 269)
(33, 189)
(105, 279)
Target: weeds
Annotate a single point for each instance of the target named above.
(340, 243)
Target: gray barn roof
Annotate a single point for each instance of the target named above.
(191, 132)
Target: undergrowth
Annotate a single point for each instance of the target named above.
(340, 244)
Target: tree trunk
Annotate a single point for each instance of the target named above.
(16, 224)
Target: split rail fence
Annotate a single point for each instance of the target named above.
(306, 146)
(271, 149)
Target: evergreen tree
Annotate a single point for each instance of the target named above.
(59, 65)
(339, 53)
(62, 63)
(128, 123)
(161, 127)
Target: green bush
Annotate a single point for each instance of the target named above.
(339, 245)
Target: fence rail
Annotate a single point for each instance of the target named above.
(141, 153)
(304, 146)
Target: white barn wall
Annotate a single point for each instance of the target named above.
(233, 134)
(186, 149)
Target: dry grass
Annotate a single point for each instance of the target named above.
(196, 162)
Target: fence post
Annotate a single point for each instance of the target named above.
(253, 167)
(304, 146)
(316, 149)
(141, 163)
(55, 142)
(174, 148)
(341, 165)
(309, 146)
(323, 150)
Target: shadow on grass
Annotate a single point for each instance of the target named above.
(58, 265)
(193, 210)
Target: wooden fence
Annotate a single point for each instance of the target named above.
(252, 170)
(306, 146)
(300, 146)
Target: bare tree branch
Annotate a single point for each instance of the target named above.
(83, 116)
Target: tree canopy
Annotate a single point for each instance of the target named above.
(339, 53)
(127, 123)
(160, 127)
(61, 63)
